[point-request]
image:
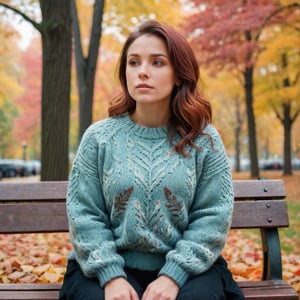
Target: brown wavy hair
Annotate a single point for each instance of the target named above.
(190, 112)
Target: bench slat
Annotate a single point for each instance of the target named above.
(48, 190)
(263, 213)
(29, 295)
(254, 290)
(29, 291)
(268, 290)
(44, 191)
(33, 217)
(52, 216)
(259, 189)
(29, 286)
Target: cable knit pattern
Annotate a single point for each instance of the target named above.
(133, 201)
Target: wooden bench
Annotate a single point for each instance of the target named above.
(40, 207)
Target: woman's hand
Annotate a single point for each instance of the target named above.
(163, 288)
(120, 289)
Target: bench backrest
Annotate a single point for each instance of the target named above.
(41, 206)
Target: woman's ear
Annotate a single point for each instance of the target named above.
(178, 82)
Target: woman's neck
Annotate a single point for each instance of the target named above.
(150, 117)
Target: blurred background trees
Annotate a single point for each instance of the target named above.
(231, 36)
(248, 53)
(10, 87)
(55, 31)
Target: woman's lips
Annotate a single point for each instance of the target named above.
(144, 86)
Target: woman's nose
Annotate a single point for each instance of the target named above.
(143, 71)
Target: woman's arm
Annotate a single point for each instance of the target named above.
(90, 232)
(210, 215)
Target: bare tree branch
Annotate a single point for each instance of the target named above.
(24, 16)
(277, 11)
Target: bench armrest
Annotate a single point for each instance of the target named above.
(272, 265)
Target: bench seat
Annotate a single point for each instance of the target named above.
(253, 290)
(40, 207)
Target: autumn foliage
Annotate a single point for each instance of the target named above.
(229, 33)
(27, 125)
(42, 258)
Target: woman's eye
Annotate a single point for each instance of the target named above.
(158, 63)
(133, 63)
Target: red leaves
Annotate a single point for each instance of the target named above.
(227, 32)
(244, 257)
(29, 103)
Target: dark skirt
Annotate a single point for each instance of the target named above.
(214, 284)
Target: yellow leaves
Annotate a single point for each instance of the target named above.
(127, 14)
(9, 85)
(27, 268)
(287, 2)
(42, 274)
(52, 275)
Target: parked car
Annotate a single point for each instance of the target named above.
(7, 169)
(20, 166)
(272, 164)
(33, 167)
(296, 163)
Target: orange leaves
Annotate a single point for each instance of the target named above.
(33, 258)
(42, 258)
(244, 257)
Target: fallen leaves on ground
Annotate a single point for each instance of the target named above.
(42, 258)
(244, 256)
(32, 258)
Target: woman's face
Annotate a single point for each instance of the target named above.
(149, 73)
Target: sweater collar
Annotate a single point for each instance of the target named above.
(145, 132)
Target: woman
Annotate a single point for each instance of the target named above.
(150, 195)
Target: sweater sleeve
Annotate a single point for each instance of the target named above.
(210, 215)
(90, 233)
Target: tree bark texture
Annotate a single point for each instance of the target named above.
(248, 86)
(287, 124)
(86, 66)
(237, 133)
(56, 80)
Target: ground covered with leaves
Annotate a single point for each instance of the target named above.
(31, 258)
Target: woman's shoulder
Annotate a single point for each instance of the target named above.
(211, 130)
(210, 134)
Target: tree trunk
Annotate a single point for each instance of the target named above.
(248, 86)
(287, 124)
(287, 149)
(86, 67)
(56, 44)
(237, 131)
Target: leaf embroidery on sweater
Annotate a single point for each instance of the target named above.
(121, 202)
(172, 204)
(151, 225)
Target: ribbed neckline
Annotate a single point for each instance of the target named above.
(145, 132)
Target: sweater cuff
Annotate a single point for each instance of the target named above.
(108, 273)
(174, 271)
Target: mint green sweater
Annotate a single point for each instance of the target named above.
(133, 201)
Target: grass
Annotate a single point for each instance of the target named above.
(290, 236)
